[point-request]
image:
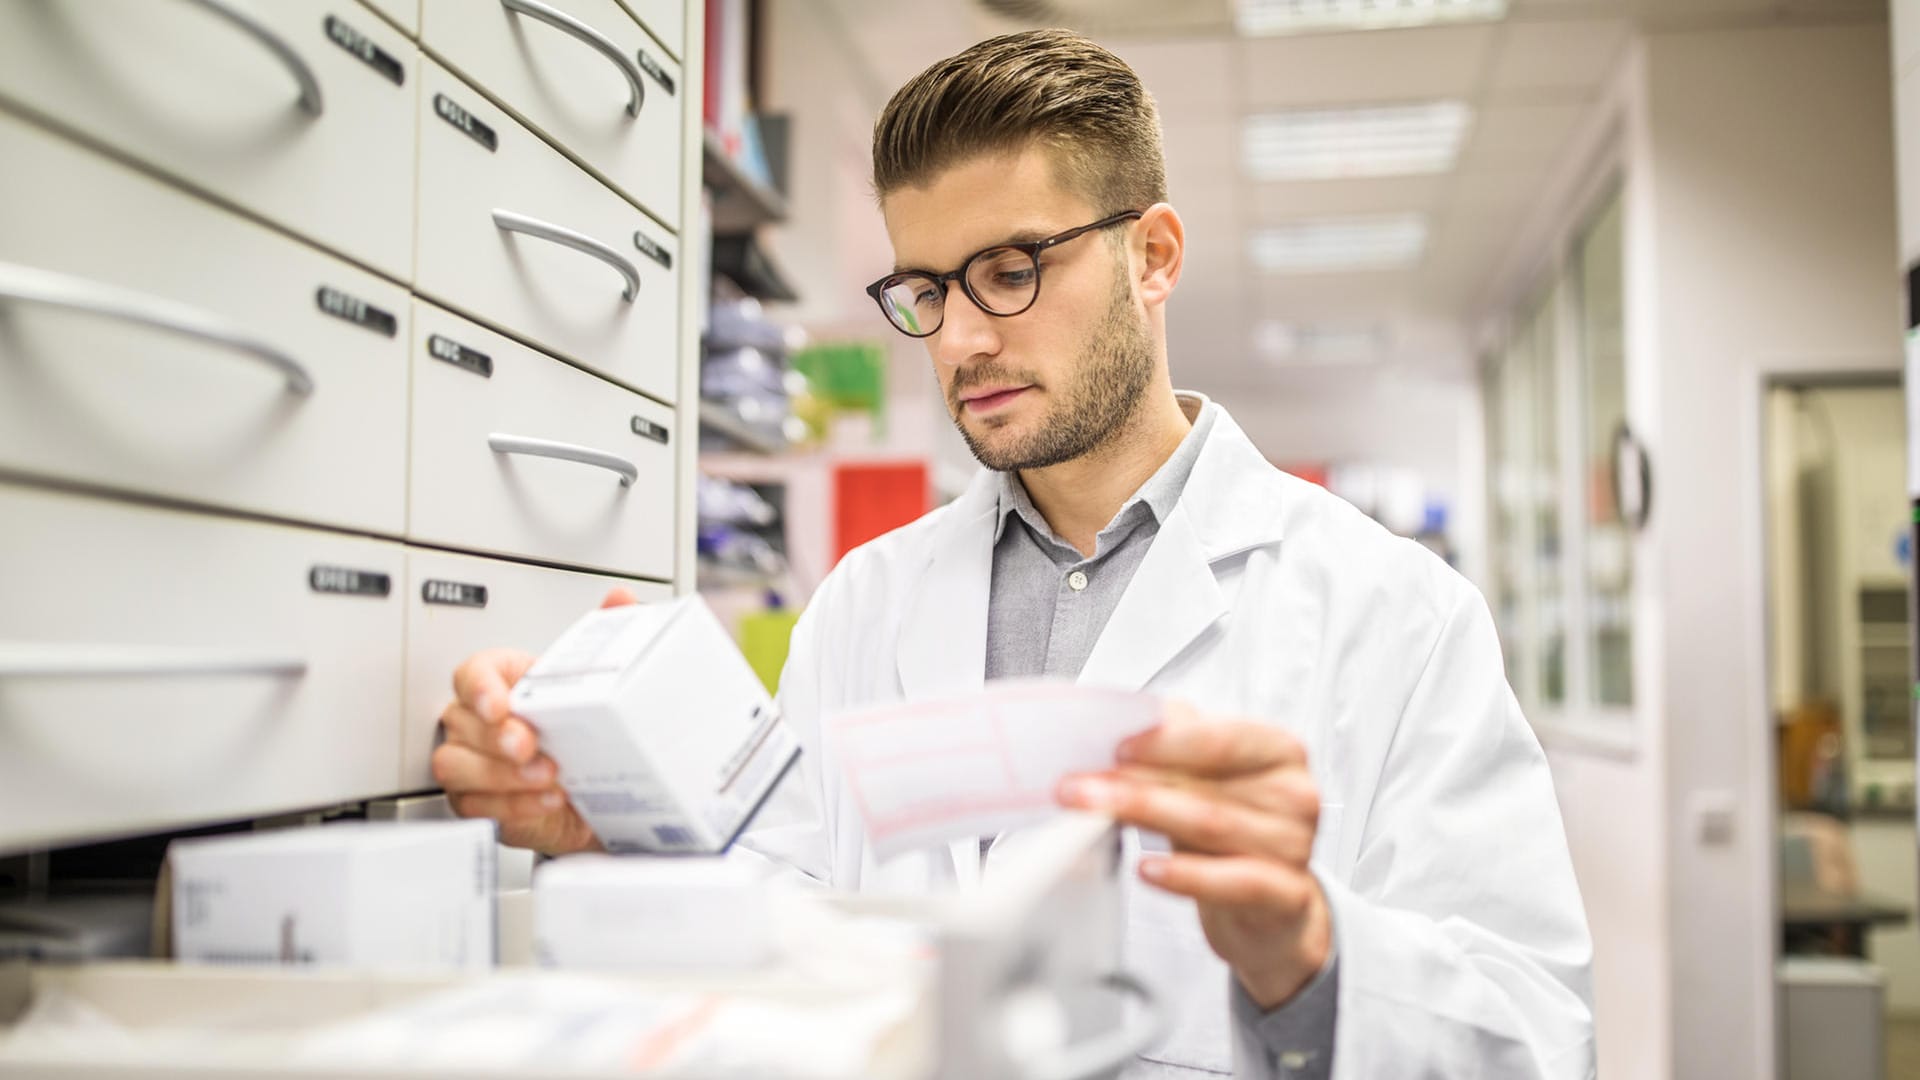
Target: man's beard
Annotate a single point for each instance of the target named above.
(1093, 411)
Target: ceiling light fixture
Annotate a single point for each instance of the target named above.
(1264, 17)
(1334, 245)
(1331, 144)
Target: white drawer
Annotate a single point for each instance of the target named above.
(196, 96)
(666, 20)
(562, 85)
(404, 13)
(464, 493)
(481, 164)
(460, 604)
(159, 668)
(90, 393)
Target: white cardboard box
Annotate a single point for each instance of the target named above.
(634, 913)
(665, 738)
(416, 895)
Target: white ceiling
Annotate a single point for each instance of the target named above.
(1532, 78)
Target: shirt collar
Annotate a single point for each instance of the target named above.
(1156, 497)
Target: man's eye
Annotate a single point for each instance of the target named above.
(1015, 278)
(927, 296)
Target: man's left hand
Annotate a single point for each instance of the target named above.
(1240, 808)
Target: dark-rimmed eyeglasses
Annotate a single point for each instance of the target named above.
(1002, 280)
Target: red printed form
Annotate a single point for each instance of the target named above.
(928, 772)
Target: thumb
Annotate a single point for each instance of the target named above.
(618, 596)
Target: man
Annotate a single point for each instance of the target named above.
(1363, 870)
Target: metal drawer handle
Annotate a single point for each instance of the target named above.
(31, 285)
(565, 237)
(275, 44)
(560, 20)
(547, 448)
(22, 659)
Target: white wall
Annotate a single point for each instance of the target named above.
(1771, 200)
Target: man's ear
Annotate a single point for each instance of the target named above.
(1163, 246)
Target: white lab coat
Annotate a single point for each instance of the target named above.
(1463, 946)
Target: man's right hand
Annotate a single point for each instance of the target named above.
(490, 762)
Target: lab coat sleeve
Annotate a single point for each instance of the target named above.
(1463, 944)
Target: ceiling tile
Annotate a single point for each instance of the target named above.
(1186, 78)
(1267, 203)
(1509, 136)
(1575, 55)
(1371, 66)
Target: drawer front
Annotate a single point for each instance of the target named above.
(200, 98)
(159, 668)
(573, 92)
(404, 13)
(476, 485)
(460, 604)
(275, 380)
(665, 19)
(476, 164)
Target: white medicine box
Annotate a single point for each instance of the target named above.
(389, 895)
(666, 740)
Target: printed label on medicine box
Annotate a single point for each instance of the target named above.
(666, 740)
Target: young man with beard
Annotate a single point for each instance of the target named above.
(1349, 857)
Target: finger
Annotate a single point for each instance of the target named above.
(481, 682)
(465, 770)
(523, 808)
(1197, 821)
(1288, 789)
(618, 596)
(1211, 746)
(1233, 881)
(464, 727)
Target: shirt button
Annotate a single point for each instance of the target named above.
(1076, 581)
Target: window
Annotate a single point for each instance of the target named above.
(1562, 565)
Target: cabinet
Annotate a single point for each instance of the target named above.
(337, 340)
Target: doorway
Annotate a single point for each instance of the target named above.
(1839, 567)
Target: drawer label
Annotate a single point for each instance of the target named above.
(365, 50)
(349, 582)
(451, 351)
(356, 311)
(453, 593)
(647, 429)
(465, 121)
(652, 250)
(652, 67)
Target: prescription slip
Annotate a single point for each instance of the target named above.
(666, 740)
(930, 772)
(399, 895)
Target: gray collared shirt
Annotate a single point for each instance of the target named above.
(1045, 610)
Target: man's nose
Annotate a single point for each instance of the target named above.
(965, 330)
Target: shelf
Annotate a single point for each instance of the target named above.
(740, 201)
(714, 417)
(740, 259)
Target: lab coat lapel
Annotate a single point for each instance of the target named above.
(1234, 501)
(1172, 600)
(942, 646)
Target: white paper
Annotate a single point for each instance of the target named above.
(929, 772)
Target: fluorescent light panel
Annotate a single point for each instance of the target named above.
(1331, 144)
(1333, 245)
(1306, 16)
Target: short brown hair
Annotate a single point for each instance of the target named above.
(1053, 87)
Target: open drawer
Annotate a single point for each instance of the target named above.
(1018, 982)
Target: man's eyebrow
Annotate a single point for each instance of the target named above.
(1030, 235)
